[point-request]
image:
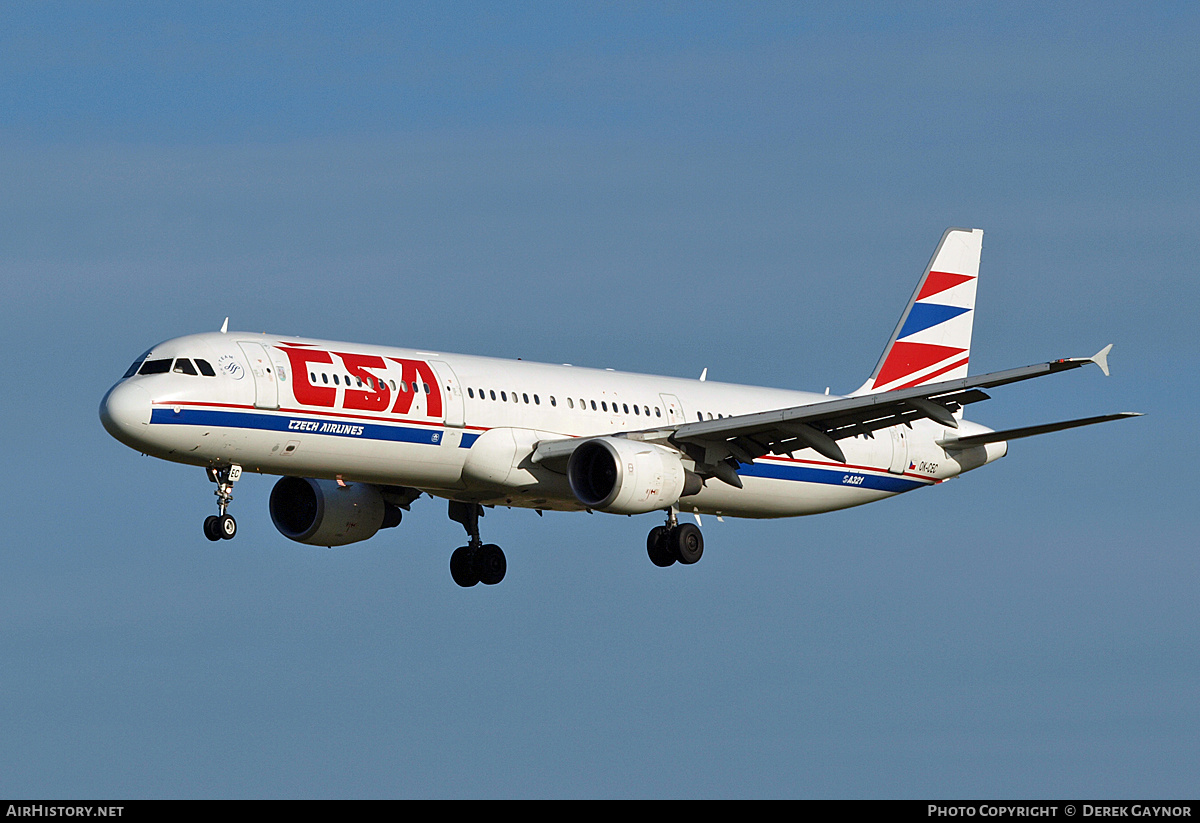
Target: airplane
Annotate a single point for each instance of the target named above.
(359, 432)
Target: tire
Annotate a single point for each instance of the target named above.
(659, 548)
(210, 528)
(687, 543)
(226, 526)
(462, 567)
(490, 564)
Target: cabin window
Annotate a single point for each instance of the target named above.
(470, 393)
(425, 387)
(536, 401)
(570, 403)
(525, 397)
(504, 396)
(635, 408)
(205, 368)
(553, 402)
(155, 367)
(493, 394)
(593, 405)
(514, 397)
(657, 412)
(625, 407)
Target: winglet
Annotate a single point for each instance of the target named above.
(1100, 358)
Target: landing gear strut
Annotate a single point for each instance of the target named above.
(476, 562)
(222, 526)
(674, 542)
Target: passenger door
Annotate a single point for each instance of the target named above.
(453, 406)
(673, 409)
(899, 462)
(266, 386)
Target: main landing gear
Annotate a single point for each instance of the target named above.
(222, 526)
(476, 562)
(674, 542)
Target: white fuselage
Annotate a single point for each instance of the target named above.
(463, 427)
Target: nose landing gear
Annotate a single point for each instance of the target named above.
(222, 526)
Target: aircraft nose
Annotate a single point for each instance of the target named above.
(125, 411)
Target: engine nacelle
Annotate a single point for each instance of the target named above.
(612, 474)
(323, 513)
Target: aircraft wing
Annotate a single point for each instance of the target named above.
(715, 444)
(820, 425)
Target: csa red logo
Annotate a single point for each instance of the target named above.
(376, 375)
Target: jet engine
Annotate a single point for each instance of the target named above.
(612, 474)
(324, 513)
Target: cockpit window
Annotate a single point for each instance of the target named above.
(132, 370)
(155, 367)
(205, 368)
(184, 366)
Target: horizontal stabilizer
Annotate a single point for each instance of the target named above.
(1028, 431)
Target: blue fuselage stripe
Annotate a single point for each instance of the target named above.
(834, 477)
(295, 424)
(216, 418)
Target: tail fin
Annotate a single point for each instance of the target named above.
(932, 341)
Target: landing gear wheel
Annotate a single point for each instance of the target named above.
(659, 548)
(462, 567)
(687, 543)
(476, 562)
(210, 528)
(490, 564)
(222, 526)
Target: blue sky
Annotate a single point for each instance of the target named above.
(652, 187)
